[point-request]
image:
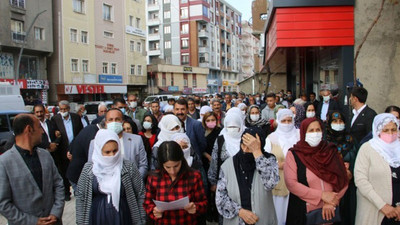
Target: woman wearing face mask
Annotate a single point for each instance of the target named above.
(315, 176)
(254, 119)
(377, 174)
(212, 131)
(149, 135)
(243, 108)
(244, 189)
(169, 125)
(299, 114)
(336, 134)
(110, 190)
(174, 180)
(278, 143)
(310, 110)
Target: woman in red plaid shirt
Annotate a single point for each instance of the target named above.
(173, 181)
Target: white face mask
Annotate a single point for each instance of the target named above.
(313, 139)
(286, 127)
(115, 126)
(232, 131)
(338, 127)
(255, 117)
(133, 105)
(243, 112)
(64, 114)
(84, 113)
(310, 114)
(326, 98)
(147, 125)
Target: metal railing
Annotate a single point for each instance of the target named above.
(18, 36)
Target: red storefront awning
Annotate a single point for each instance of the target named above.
(310, 27)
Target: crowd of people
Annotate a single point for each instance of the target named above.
(245, 159)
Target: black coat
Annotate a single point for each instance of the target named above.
(362, 125)
(333, 106)
(45, 139)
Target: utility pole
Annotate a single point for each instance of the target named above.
(16, 75)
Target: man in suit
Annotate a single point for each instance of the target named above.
(327, 104)
(228, 104)
(49, 140)
(69, 125)
(194, 129)
(81, 111)
(31, 189)
(313, 99)
(362, 116)
(136, 112)
(132, 147)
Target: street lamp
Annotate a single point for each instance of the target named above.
(23, 45)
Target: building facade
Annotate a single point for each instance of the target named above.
(99, 50)
(198, 34)
(26, 24)
(249, 51)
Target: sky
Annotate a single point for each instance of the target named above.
(244, 6)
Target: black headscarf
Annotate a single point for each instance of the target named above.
(341, 139)
(245, 165)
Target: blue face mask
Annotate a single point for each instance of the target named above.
(115, 126)
(123, 111)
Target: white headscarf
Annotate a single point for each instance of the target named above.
(242, 106)
(166, 124)
(203, 110)
(286, 134)
(237, 111)
(389, 152)
(169, 108)
(186, 152)
(107, 169)
(232, 143)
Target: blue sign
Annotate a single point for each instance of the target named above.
(110, 79)
(173, 88)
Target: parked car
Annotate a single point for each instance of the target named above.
(6, 122)
(92, 108)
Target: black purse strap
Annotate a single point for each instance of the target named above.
(220, 141)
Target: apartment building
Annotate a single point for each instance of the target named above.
(202, 34)
(28, 25)
(249, 51)
(99, 50)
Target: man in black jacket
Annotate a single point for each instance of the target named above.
(327, 104)
(49, 139)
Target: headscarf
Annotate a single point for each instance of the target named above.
(242, 106)
(232, 143)
(323, 160)
(341, 139)
(107, 169)
(203, 110)
(186, 152)
(169, 108)
(286, 137)
(300, 115)
(167, 123)
(277, 107)
(236, 110)
(260, 122)
(389, 152)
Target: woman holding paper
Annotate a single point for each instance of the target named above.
(175, 180)
(110, 190)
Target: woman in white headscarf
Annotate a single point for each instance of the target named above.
(278, 143)
(377, 174)
(169, 125)
(107, 183)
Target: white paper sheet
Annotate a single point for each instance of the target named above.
(174, 205)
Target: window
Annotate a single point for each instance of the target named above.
(205, 11)
(139, 70)
(185, 58)
(85, 65)
(185, 28)
(113, 68)
(132, 69)
(172, 79)
(108, 34)
(107, 12)
(185, 80)
(79, 6)
(18, 3)
(185, 42)
(154, 46)
(168, 60)
(84, 37)
(167, 29)
(167, 14)
(29, 67)
(105, 67)
(139, 47)
(131, 21)
(73, 33)
(17, 28)
(132, 46)
(39, 33)
(164, 79)
(137, 22)
(74, 65)
(167, 1)
(153, 16)
(184, 1)
(184, 12)
(167, 44)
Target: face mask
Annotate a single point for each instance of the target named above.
(133, 105)
(64, 114)
(338, 127)
(313, 139)
(232, 131)
(243, 112)
(310, 114)
(326, 98)
(280, 99)
(211, 124)
(257, 99)
(84, 113)
(286, 127)
(198, 107)
(123, 111)
(115, 126)
(147, 125)
(388, 138)
(254, 117)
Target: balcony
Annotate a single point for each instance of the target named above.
(153, 7)
(203, 49)
(154, 37)
(18, 36)
(222, 40)
(137, 80)
(228, 42)
(228, 55)
(204, 64)
(223, 54)
(154, 52)
(203, 33)
(153, 22)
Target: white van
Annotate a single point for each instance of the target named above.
(10, 98)
(163, 99)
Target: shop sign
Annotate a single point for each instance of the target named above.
(187, 91)
(107, 79)
(109, 48)
(187, 69)
(173, 88)
(199, 90)
(134, 31)
(44, 96)
(212, 82)
(225, 83)
(29, 84)
(93, 89)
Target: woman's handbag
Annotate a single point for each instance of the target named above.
(315, 217)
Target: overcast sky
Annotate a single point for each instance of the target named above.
(244, 6)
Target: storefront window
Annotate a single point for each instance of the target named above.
(329, 66)
(28, 68)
